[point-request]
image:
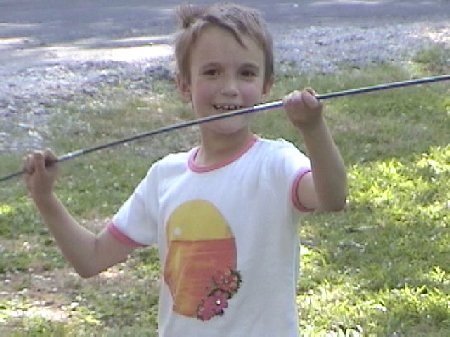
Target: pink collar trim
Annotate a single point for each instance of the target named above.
(202, 169)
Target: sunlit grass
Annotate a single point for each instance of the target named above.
(382, 265)
(5, 210)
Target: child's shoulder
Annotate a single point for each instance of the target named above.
(173, 161)
(174, 158)
(275, 144)
(170, 164)
(278, 149)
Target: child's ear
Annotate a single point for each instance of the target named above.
(183, 88)
(268, 85)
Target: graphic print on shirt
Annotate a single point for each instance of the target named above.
(200, 267)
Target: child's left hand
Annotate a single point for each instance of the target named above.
(303, 109)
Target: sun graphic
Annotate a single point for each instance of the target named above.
(201, 244)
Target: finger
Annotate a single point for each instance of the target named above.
(48, 153)
(309, 99)
(50, 157)
(28, 165)
(39, 162)
(293, 97)
(311, 91)
(293, 94)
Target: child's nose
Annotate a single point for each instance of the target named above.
(230, 86)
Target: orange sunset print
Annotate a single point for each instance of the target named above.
(200, 267)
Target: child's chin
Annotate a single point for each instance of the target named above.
(229, 126)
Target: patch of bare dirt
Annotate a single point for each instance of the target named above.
(52, 295)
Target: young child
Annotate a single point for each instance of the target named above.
(224, 215)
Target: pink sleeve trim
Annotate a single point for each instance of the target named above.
(295, 199)
(121, 237)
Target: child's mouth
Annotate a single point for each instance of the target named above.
(227, 107)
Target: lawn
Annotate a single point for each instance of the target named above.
(379, 268)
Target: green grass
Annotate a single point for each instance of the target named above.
(380, 268)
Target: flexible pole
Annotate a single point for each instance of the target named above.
(256, 108)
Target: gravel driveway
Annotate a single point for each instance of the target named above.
(30, 95)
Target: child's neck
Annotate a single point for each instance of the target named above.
(217, 149)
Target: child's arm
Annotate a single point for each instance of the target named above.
(326, 188)
(87, 252)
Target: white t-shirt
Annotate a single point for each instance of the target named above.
(227, 238)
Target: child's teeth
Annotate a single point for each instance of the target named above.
(227, 107)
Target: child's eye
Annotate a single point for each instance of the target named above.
(211, 72)
(249, 73)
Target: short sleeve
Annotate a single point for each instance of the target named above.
(136, 221)
(292, 166)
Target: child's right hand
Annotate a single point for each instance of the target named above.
(41, 171)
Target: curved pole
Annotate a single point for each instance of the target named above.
(256, 108)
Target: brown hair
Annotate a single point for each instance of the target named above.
(236, 19)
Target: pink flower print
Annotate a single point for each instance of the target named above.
(212, 305)
(224, 285)
(228, 281)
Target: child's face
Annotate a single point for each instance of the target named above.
(225, 76)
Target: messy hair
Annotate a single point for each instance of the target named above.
(236, 19)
